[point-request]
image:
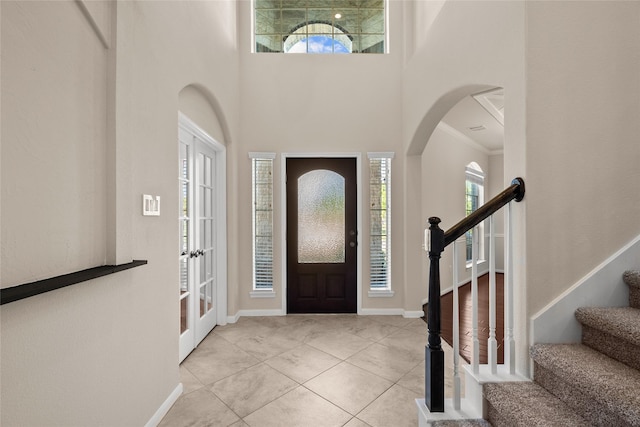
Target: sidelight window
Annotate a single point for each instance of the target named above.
(380, 224)
(262, 203)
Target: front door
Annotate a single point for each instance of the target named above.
(321, 235)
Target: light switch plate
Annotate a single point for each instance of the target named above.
(150, 205)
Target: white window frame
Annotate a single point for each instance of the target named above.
(263, 292)
(386, 291)
(386, 29)
(474, 173)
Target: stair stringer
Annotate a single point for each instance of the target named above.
(556, 322)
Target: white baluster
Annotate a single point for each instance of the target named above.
(492, 344)
(475, 355)
(456, 332)
(509, 343)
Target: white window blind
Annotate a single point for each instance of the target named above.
(380, 220)
(262, 190)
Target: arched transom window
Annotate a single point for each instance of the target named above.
(320, 26)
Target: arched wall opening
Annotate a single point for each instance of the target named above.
(196, 102)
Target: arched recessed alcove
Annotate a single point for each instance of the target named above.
(445, 143)
(436, 113)
(201, 106)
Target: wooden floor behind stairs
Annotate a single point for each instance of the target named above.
(465, 313)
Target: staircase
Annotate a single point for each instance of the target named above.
(596, 382)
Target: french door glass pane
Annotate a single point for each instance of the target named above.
(321, 217)
(183, 313)
(203, 300)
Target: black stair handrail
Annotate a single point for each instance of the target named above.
(513, 192)
(438, 241)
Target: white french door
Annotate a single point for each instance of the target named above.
(200, 243)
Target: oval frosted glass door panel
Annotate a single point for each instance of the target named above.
(321, 217)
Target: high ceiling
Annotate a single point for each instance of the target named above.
(480, 117)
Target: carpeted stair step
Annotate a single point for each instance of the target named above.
(600, 389)
(527, 404)
(460, 423)
(632, 278)
(614, 331)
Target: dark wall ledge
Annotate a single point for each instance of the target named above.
(27, 290)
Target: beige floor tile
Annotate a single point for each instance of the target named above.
(276, 321)
(418, 326)
(355, 422)
(264, 347)
(406, 341)
(339, 343)
(349, 387)
(398, 321)
(414, 379)
(396, 407)
(199, 409)
(298, 408)
(388, 362)
(216, 358)
(305, 330)
(372, 330)
(303, 363)
(239, 424)
(252, 388)
(234, 332)
(189, 381)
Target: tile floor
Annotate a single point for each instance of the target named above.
(305, 370)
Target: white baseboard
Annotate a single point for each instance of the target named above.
(409, 314)
(164, 408)
(412, 314)
(234, 318)
(257, 313)
(466, 412)
(381, 312)
(603, 287)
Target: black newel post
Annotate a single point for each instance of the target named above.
(434, 356)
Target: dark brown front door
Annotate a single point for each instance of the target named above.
(321, 235)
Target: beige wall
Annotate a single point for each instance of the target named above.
(583, 156)
(72, 356)
(319, 104)
(483, 49)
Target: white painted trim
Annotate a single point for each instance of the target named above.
(221, 213)
(165, 407)
(381, 155)
(262, 294)
(262, 155)
(234, 318)
(381, 293)
(382, 312)
(481, 98)
(412, 314)
(603, 286)
(260, 313)
(466, 412)
(283, 216)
